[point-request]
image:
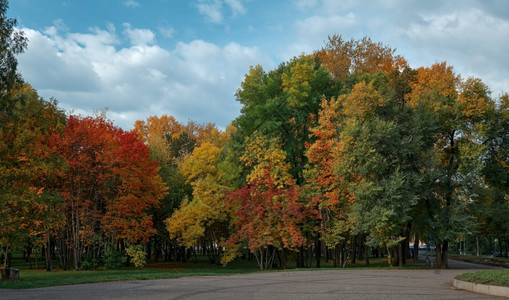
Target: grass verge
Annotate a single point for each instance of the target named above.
(40, 278)
(491, 277)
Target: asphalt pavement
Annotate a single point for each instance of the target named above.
(328, 284)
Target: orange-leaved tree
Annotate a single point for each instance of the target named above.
(138, 188)
(330, 200)
(342, 57)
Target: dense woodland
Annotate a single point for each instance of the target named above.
(346, 153)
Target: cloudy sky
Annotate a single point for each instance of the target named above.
(139, 58)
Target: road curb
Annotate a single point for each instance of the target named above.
(486, 289)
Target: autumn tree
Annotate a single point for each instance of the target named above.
(30, 164)
(203, 219)
(283, 103)
(138, 187)
(268, 218)
(171, 144)
(268, 211)
(330, 198)
(108, 188)
(342, 57)
(29, 161)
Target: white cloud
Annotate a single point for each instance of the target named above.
(306, 4)
(312, 32)
(131, 3)
(86, 72)
(236, 7)
(139, 36)
(211, 9)
(326, 6)
(470, 37)
(472, 41)
(319, 27)
(167, 32)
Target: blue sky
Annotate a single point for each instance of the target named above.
(187, 58)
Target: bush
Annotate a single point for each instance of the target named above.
(137, 255)
(89, 263)
(113, 259)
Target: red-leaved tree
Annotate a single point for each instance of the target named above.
(108, 188)
(268, 218)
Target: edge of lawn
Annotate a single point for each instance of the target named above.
(39, 278)
(488, 282)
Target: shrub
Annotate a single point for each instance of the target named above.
(137, 255)
(113, 259)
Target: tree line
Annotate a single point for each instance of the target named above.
(346, 153)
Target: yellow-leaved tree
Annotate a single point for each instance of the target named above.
(203, 220)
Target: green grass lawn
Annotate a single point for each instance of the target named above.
(32, 278)
(40, 278)
(491, 277)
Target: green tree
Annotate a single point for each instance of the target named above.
(284, 104)
(492, 208)
(12, 42)
(378, 152)
(460, 109)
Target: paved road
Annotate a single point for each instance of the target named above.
(330, 284)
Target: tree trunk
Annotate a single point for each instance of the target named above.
(400, 254)
(47, 253)
(28, 254)
(337, 258)
(148, 251)
(282, 259)
(318, 250)
(442, 255)
(354, 249)
(415, 253)
(7, 257)
(367, 255)
(300, 258)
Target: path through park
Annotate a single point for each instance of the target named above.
(330, 284)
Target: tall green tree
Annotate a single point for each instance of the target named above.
(379, 149)
(493, 208)
(284, 103)
(12, 42)
(460, 109)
